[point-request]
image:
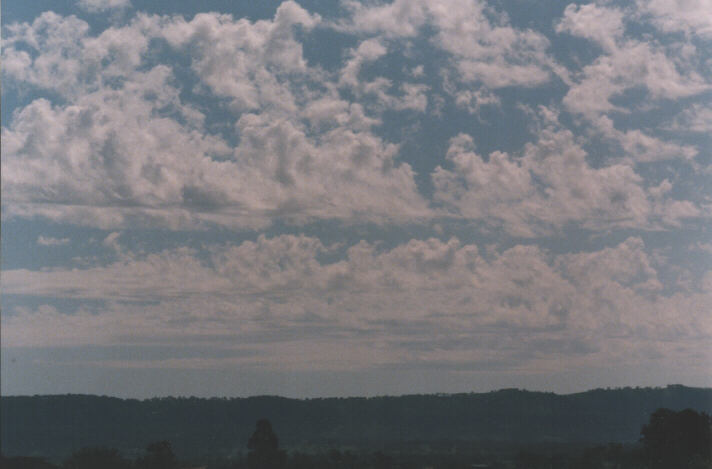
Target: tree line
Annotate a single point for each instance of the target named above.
(54, 426)
(669, 440)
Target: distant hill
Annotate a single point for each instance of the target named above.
(54, 426)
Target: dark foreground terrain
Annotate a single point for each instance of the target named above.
(616, 428)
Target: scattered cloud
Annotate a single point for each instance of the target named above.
(137, 154)
(689, 16)
(483, 47)
(50, 241)
(304, 143)
(99, 6)
(697, 118)
(405, 299)
(456, 118)
(600, 24)
(549, 186)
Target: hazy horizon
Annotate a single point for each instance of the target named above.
(355, 198)
(208, 397)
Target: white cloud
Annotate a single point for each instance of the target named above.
(99, 6)
(413, 96)
(631, 64)
(57, 40)
(697, 118)
(105, 158)
(547, 187)
(135, 153)
(665, 72)
(689, 16)
(244, 61)
(600, 24)
(396, 19)
(489, 52)
(57, 53)
(444, 300)
(473, 101)
(642, 147)
(123, 147)
(369, 50)
(50, 241)
(114, 165)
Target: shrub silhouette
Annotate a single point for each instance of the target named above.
(91, 458)
(679, 440)
(159, 455)
(264, 448)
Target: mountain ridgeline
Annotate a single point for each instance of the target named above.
(55, 426)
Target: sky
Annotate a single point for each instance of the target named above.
(349, 198)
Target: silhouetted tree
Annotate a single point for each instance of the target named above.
(94, 458)
(678, 440)
(264, 448)
(159, 455)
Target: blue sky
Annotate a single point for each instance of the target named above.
(347, 198)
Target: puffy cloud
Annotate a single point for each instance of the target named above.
(485, 51)
(664, 71)
(600, 24)
(121, 144)
(689, 16)
(642, 147)
(551, 184)
(697, 118)
(58, 54)
(115, 165)
(126, 149)
(244, 61)
(56, 45)
(417, 299)
(413, 95)
(368, 50)
(629, 65)
(492, 53)
(107, 158)
(474, 100)
(396, 19)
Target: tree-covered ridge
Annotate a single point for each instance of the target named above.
(55, 426)
(670, 439)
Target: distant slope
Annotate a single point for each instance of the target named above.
(54, 426)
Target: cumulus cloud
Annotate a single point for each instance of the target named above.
(473, 101)
(58, 53)
(411, 96)
(244, 61)
(411, 299)
(132, 152)
(697, 118)
(599, 24)
(117, 138)
(689, 16)
(491, 52)
(665, 70)
(629, 65)
(548, 186)
(644, 148)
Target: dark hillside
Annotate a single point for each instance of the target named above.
(54, 426)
